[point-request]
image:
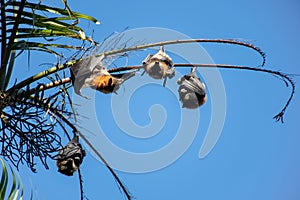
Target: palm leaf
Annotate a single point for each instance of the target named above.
(39, 20)
(4, 180)
(45, 26)
(33, 25)
(16, 189)
(24, 20)
(15, 186)
(54, 10)
(10, 67)
(25, 45)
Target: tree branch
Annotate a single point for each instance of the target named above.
(171, 42)
(139, 47)
(38, 76)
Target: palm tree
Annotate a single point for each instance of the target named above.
(27, 108)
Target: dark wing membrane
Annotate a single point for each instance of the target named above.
(194, 85)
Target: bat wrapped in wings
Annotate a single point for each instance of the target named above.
(70, 157)
(192, 92)
(159, 65)
(90, 72)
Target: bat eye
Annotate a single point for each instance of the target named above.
(167, 63)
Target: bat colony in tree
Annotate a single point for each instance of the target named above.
(32, 122)
(91, 72)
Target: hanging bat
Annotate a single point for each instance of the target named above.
(192, 92)
(90, 72)
(70, 157)
(105, 82)
(159, 65)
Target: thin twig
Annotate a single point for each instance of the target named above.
(80, 184)
(126, 192)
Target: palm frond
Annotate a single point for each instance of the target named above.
(55, 10)
(39, 25)
(13, 190)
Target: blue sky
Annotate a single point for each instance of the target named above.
(254, 158)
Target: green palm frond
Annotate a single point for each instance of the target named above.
(13, 190)
(34, 26)
(38, 20)
(43, 47)
(55, 10)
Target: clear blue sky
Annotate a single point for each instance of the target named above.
(255, 157)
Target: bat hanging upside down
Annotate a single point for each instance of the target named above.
(107, 83)
(90, 72)
(70, 157)
(192, 92)
(159, 65)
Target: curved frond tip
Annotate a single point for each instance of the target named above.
(284, 77)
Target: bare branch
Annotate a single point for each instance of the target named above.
(135, 48)
(171, 42)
